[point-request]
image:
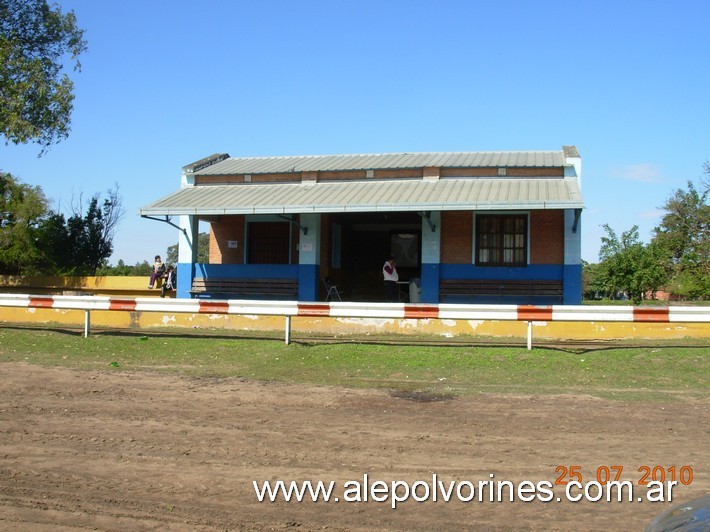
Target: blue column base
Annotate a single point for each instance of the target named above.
(572, 284)
(430, 283)
(308, 282)
(185, 273)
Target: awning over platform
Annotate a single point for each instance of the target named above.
(371, 196)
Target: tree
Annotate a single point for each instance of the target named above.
(203, 250)
(92, 235)
(627, 265)
(22, 207)
(37, 240)
(36, 95)
(123, 269)
(593, 286)
(80, 244)
(53, 252)
(678, 257)
(684, 236)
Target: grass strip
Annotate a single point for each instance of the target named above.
(665, 371)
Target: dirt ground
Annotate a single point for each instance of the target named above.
(149, 451)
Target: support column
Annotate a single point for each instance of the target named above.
(87, 323)
(431, 256)
(572, 272)
(309, 257)
(187, 254)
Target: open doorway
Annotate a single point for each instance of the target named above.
(362, 242)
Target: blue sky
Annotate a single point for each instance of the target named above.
(165, 83)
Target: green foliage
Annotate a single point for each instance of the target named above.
(86, 236)
(203, 250)
(51, 241)
(171, 256)
(629, 266)
(81, 244)
(677, 259)
(35, 240)
(37, 95)
(21, 210)
(688, 285)
(592, 281)
(684, 236)
(123, 269)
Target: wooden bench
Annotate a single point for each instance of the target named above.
(247, 288)
(502, 289)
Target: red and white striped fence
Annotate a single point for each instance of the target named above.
(288, 309)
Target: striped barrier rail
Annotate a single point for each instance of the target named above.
(289, 309)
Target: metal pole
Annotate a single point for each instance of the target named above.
(529, 336)
(288, 330)
(87, 322)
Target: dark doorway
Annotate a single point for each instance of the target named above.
(366, 240)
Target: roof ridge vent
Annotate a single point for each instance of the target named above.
(204, 163)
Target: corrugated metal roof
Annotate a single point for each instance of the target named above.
(370, 196)
(324, 163)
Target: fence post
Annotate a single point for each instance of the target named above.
(288, 330)
(530, 336)
(87, 322)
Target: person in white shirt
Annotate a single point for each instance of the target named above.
(389, 271)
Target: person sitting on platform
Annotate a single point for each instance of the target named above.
(158, 271)
(169, 281)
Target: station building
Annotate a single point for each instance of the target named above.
(469, 227)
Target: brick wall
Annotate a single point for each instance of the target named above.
(456, 237)
(221, 232)
(547, 237)
(509, 171)
(392, 173)
(233, 228)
